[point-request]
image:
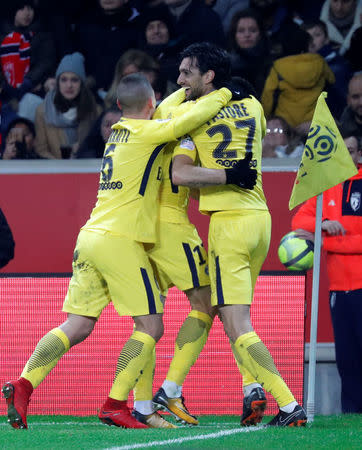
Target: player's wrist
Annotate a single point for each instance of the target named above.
(231, 176)
(245, 178)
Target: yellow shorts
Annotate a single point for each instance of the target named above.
(111, 268)
(238, 245)
(179, 257)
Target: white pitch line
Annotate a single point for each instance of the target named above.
(188, 438)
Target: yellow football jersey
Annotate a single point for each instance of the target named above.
(132, 169)
(173, 200)
(238, 128)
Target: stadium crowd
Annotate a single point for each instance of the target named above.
(61, 62)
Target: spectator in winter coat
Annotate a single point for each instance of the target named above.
(158, 39)
(68, 112)
(342, 18)
(193, 21)
(351, 119)
(342, 240)
(102, 36)
(295, 82)
(27, 52)
(249, 49)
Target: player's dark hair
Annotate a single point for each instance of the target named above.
(133, 92)
(243, 86)
(208, 56)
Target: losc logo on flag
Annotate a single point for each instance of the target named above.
(321, 143)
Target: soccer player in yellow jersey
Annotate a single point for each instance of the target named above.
(110, 262)
(179, 259)
(240, 227)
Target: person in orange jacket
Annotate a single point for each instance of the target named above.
(342, 240)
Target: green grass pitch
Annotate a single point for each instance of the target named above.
(214, 432)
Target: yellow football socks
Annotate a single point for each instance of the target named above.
(47, 353)
(143, 388)
(134, 356)
(190, 340)
(258, 361)
(247, 376)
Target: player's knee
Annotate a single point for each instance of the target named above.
(78, 328)
(158, 332)
(81, 334)
(155, 331)
(236, 320)
(150, 324)
(200, 300)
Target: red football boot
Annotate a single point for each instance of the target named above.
(17, 394)
(116, 412)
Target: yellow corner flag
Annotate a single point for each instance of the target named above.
(326, 161)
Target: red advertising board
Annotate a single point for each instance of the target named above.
(78, 385)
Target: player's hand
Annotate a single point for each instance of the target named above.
(242, 174)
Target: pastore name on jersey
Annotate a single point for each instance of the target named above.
(234, 111)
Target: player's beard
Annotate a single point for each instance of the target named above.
(195, 93)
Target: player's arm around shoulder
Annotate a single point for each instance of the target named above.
(202, 111)
(195, 116)
(174, 99)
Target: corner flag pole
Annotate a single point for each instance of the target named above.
(314, 313)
